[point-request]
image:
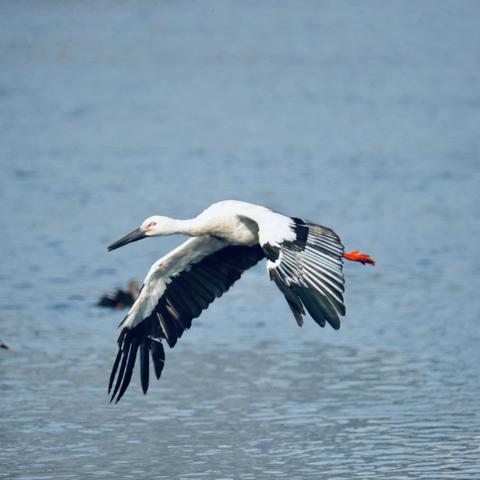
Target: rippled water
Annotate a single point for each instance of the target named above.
(363, 117)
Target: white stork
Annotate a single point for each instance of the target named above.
(304, 260)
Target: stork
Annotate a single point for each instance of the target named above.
(304, 260)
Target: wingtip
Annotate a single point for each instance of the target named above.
(334, 325)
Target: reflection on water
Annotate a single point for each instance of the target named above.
(363, 119)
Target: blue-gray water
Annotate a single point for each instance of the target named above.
(363, 116)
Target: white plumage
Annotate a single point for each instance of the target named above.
(304, 260)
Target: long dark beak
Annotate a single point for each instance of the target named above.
(137, 234)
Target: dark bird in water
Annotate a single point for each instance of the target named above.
(120, 298)
(5, 346)
(305, 260)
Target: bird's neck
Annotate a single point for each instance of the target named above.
(191, 227)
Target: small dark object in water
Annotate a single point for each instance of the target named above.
(120, 298)
(5, 346)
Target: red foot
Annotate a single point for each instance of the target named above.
(356, 256)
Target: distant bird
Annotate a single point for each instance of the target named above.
(120, 298)
(5, 346)
(304, 260)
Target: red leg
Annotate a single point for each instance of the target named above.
(356, 256)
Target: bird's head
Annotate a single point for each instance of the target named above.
(151, 227)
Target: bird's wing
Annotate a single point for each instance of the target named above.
(307, 268)
(176, 290)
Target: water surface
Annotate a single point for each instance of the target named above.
(363, 117)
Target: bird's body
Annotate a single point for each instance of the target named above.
(120, 298)
(5, 347)
(304, 260)
(224, 220)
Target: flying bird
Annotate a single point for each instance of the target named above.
(305, 261)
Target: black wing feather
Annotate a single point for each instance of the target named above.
(308, 271)
(132, 355)
(186, 295)
(144, 364)
(158, 357)
(124, 351)
(114, 369)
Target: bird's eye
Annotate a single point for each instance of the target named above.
(151, 224)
